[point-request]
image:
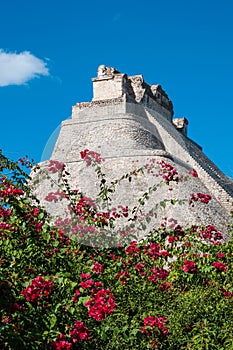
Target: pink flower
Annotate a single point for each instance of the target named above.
(39, 288)
(54, 166)
(201, 197)
(77, 294)
(211, 234)
(219, 266)
(158, 274)
(101, 304)
(151, 323)
(189, 266)
(80, 332)
(193, 172)
(168, 172)
(61, 343)
(6, 319)
(87, 284)
(98, 268)
(132, 249)
(220, 255)
(91, 156)
(85, 275)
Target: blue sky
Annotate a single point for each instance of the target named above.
(51, 49)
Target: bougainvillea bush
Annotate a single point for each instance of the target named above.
(171, 291)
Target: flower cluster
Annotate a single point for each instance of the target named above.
(132, 249)
(226, 293)
(168, 172)
(201, 197)
(122, 276)
(101, 304)
(220, 266)
(189, 266)
(85, 206)
(54, 196)
(158, 273)
(211, 234)
(86, 284)
(61, 343)
(8, 189)
(54, 166)
(25, 162)
(39, 288)
(4, 213)
(157, 324)
(76, 296)
(91, 156)
(97, 268)
(193, 173)
(80, 332)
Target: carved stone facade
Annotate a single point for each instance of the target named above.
(129, 122)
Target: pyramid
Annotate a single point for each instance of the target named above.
(130, 124)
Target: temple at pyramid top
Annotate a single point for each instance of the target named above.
(112, 84)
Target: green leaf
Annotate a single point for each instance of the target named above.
(53, 320)
(83, 300)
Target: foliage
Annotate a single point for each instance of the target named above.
(171, 291)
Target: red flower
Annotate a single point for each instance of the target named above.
(165, 286)
(7, 189)
(54, 166)
(132, 249)
(80, 332)
(122, 276)
(220, 266)
(61, 343)
(158, 274)
(227, 294)
(211, 234)
(193, 172)
(98, 268)
(157, 323)
(85, 275)
(172, 239)
(189, 266)
(37, 289)
(220, 255)
(86, 284)
(201, 197)
(91, 156)
(101, 304)
(140, 268)
(168, 172)
(153, 250)
(77, 294)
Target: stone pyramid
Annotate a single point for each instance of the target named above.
(130, 123)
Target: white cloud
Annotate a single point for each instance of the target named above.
(19, 68)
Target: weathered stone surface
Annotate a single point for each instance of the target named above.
(130, 123)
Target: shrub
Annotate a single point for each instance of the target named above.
(171, 291)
